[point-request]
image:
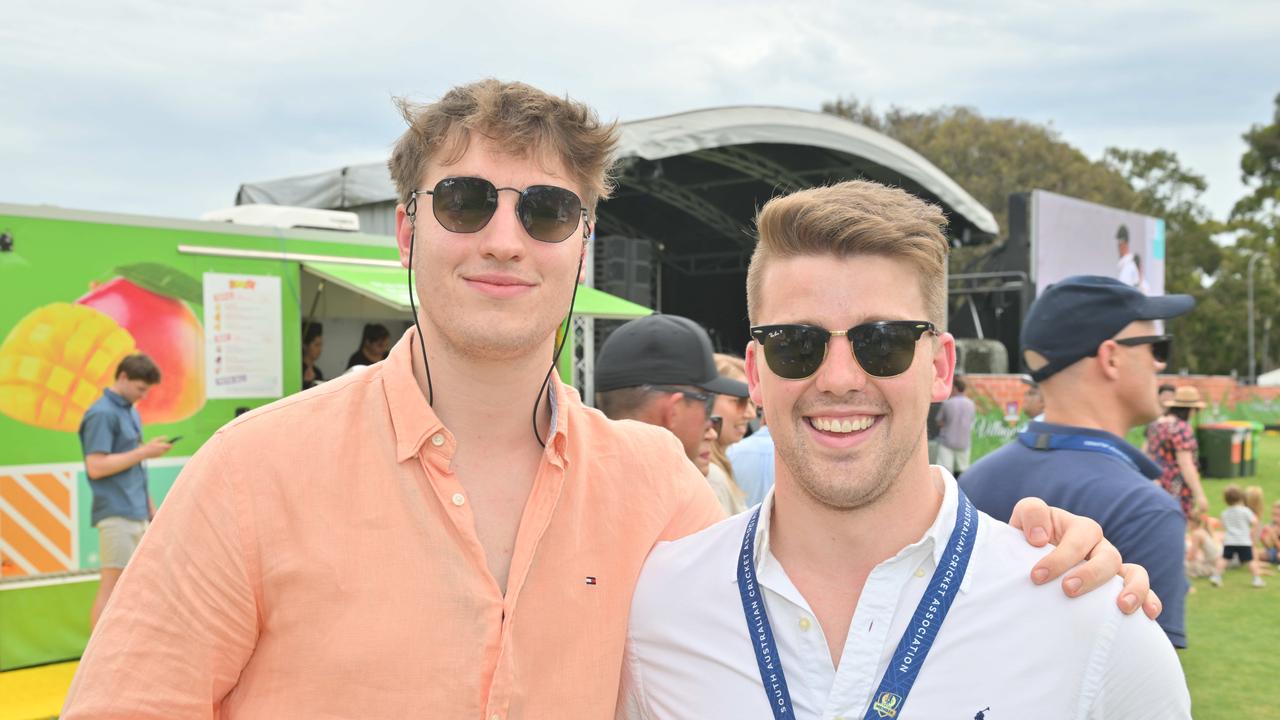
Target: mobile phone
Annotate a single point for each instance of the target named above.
(173, 440)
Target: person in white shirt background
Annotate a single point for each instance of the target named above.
(828, 601)
(1127, 270)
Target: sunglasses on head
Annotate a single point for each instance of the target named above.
(1161, 345)
(882, 349)
(548, 213)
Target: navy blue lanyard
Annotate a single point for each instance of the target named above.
(916, 641)
(1055, 441)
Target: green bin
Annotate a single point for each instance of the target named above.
(1220, 451)
(1250, 432)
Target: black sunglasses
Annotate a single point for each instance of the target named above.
(548, 213)
(1161, 345)
(708, 400)
(883, 349)
(716, 422)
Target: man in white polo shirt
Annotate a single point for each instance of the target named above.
(867, 585)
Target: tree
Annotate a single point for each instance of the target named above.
(992, 158)
(1165, 189)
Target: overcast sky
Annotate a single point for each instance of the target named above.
(165, 108)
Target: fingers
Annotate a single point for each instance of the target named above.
(1033, 517)
(1078, 539)
(1102, 564)
(1137, 584)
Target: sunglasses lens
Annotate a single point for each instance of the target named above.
(1160, 350)
(464, 204)
(794, 353)
(716, 422)
(884, 350)
(549, 213)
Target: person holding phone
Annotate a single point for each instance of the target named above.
(111, 439)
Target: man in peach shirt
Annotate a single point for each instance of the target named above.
(456, 535)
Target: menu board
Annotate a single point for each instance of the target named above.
(244, 355)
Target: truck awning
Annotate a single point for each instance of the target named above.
(387, 285)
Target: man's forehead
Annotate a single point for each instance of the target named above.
(506, 167)
(1137, 328)
(869, 288)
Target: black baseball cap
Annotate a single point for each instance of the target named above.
(661, 350)
(1073, 317)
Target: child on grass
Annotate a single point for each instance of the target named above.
(1203, 550)
(1241, 529)
(1270, 536)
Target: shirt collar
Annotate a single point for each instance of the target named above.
(1146, 465)
(414, 421)
(116, 398)
(933, 541)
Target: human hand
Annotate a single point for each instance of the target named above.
(1202, 503)
(1081, 549)
(155, 448)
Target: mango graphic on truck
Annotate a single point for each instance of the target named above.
(55, 362)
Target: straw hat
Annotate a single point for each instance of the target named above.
(1186, 396)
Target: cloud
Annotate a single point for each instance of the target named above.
(166, 107)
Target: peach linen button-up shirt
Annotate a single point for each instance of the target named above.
(317, 559)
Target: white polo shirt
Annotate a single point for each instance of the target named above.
(1008, 649)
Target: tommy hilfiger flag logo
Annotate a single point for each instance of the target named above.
(591, 579)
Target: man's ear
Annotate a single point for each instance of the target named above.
(753, 360)
(404, 233)
(1108, 360)
(944, 366)
(669, 408)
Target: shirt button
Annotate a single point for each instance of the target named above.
(459, 499)
(437, 439)
(919, 572)
(805, 624)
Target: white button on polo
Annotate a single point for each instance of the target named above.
(919, 572)
(437, 439)
(459, 499)
(805, 624)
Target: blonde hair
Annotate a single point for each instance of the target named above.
(519, 119)
(736, 368)
(854, 218)
(1253, 499)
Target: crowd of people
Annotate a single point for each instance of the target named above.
(460, 535)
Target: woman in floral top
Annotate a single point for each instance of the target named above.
(1172, 443)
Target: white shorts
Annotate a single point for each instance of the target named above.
(957, 461)
(118, 537)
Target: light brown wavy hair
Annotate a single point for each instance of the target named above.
(520, 120)
(733, 367)
(854, 218)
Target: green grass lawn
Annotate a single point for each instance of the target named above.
(1233, 659)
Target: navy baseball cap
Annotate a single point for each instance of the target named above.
(1073, 317)
(661, 350)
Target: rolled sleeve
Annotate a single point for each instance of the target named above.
(184, 619)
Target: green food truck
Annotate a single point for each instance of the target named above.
(219, 306)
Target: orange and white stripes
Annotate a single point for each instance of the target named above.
(39, 530)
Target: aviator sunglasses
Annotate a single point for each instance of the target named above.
(882, 349)
(548, 213)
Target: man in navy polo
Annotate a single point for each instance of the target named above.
(1093, 345)
(111, 438)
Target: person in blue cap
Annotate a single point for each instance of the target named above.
(1094, 345)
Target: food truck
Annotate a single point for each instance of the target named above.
(219, 306)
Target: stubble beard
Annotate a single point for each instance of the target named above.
(842, 486)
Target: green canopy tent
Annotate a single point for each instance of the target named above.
(387, 285)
